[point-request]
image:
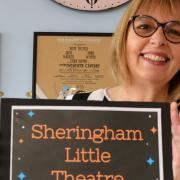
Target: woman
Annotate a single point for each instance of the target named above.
(146, 61)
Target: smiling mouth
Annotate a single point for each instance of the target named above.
(155, 58)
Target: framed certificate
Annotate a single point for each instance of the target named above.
(65, 63)
(56, 139)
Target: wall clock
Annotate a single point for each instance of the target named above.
(91, 5)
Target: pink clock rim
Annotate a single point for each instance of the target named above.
(119, 3)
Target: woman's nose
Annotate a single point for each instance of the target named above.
(158, 38)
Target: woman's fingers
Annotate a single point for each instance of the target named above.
(175, 120)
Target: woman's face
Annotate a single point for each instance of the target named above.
(153, 59)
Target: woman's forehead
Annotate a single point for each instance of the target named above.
(159, 12)
(160, 4)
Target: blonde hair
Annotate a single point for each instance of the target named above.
(119, 59)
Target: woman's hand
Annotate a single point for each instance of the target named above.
(175, 120)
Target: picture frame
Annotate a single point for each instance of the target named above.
(39, 139)
(66, 63)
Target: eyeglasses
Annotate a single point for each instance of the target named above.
(146, 26)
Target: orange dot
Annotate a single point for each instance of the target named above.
(153, 130)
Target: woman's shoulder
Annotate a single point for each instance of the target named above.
(97, 95)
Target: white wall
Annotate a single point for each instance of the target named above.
(18, 21)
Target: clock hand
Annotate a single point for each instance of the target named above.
(91, 2)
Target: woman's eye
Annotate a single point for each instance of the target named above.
(173, 32)
(144, 26)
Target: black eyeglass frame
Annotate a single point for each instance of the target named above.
(132, 19)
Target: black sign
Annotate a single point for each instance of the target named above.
(57, 140)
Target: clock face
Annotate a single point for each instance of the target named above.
(91, 5)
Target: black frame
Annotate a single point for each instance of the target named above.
(6, 106)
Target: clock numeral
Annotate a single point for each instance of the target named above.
(91, 2)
